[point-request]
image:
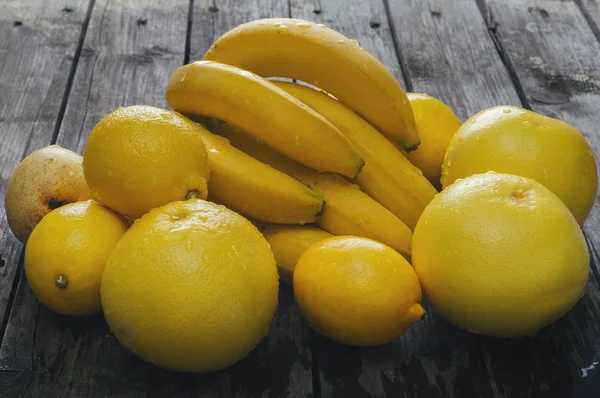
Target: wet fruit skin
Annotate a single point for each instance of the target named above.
(357, 291)
(500, 255)
(513, 140)
(66, 254)
(141, 157)
(192, 287)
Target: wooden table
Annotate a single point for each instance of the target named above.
(64, 64)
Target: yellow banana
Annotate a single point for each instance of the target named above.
(259, 107)
(254, 189)
(288, 242)
(347, 210)
(388, 176)
(313, 53)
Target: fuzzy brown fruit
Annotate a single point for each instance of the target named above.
(46, 179)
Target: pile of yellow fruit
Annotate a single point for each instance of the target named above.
(174, 223)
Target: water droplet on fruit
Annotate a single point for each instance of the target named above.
(354, 42)
(320, 25)
(178, 234)
(276, 24)
(283, 27)
(304, 25)
(247, 74)
(341, 41)
(507, 111)
(167, 116)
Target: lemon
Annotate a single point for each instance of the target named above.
(500, 255)
(66, 254)
(436, 124)
(141, 157)
(357, 291)
(512, 140)
(192, 286)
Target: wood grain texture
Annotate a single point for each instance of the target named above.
(38, 41)
(442, 43)
(555, 56)
(130, 49)
(212, 18)
(449, 54)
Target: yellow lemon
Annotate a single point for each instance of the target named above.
(66, 254)
(436, 124)
(192, 286)
(141, 157)
(500, 255)
(357, 291)
(512, 140)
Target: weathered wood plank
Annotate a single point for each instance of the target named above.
(212, 18)
(555, 56)
(591, 11)
(38, 40)
(448, 53)
(130, 49)
(442, 44)
(281, 364)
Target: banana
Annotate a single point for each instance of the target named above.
(259, 107)
(388, 176)
(323, 57)
(347, 210)
(254, 189)
(288, 242)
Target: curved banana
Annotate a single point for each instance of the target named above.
(288, 242)
(313, 53)
(254, 189)
(388, 176)
(263, 109)
(347, 210)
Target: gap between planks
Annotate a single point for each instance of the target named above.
(57, 124)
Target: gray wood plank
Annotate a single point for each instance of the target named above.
(38, 42)
(442, 43)
(281, 365)
(448, 54)
(130, 50)
(591, 11)
(212, 18)
(554, 53)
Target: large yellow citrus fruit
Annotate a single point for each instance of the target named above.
(141, 157)
(436, 124)
(192, 286)
(512, 140)
(500, 255)
(66, 254)
(357, 291)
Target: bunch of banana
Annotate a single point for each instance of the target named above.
(292, 154)
(347, 210)
(288, 242)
